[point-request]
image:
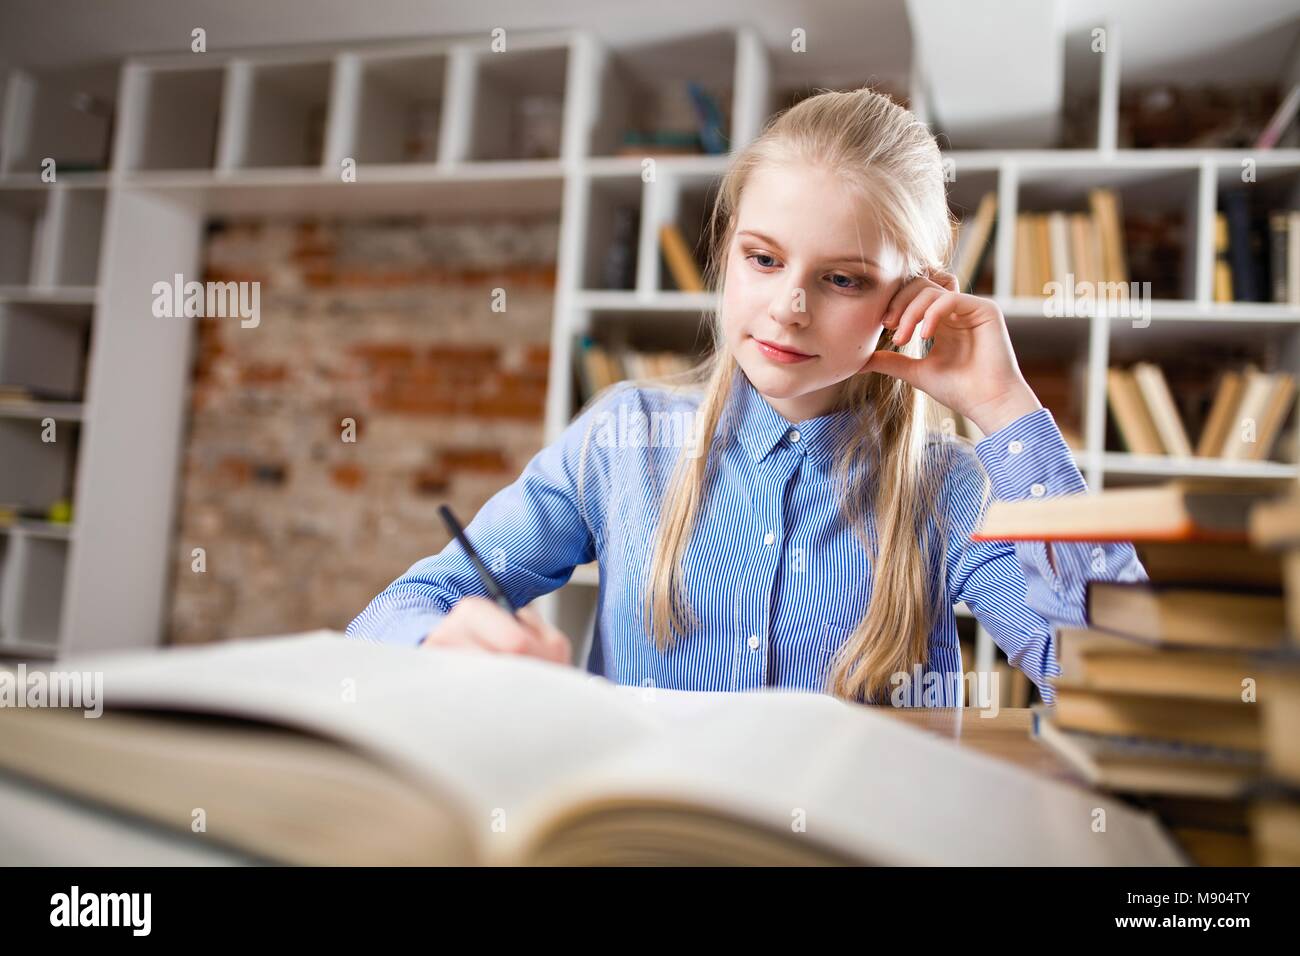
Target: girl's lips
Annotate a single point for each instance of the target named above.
(778, 354)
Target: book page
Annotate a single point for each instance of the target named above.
(857, 780)
(486, 731)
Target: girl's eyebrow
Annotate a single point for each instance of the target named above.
(855, 259)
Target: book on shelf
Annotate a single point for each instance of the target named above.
(445, 757)
(1266, 401)
(1164, 413)
(973, 249)
(1257, 256)
(1245, 419)
(599, 366)
(1056, 246)
(682, 266)
(1133, 418)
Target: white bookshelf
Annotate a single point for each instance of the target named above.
(51, 226)
(442, 126)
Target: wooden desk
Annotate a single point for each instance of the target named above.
(1004, 735)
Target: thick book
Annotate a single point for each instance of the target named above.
(1233, 726)
(1188, 509)
(1127, 764)
(1211, 564)
(1110, 661)
(1177, 614)
(318, 749)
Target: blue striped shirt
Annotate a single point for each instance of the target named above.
(776, 577)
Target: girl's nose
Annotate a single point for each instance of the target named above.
(790, 303)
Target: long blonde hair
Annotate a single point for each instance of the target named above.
(887, 483)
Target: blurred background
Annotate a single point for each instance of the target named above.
(385, 172)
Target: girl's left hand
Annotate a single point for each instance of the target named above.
(971, 366)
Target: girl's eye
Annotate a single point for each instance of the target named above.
(849, 284)
(760, 255)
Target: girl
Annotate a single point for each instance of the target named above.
(782, 515)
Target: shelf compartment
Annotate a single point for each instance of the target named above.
(77, 217)
(24, 236)
(647, 333)
(179, 119)
(518, 104)
(280, 115)
(37, 473)
(1193, 356)
(1158, 218)
(1220, 101)
(1274, 189)
(43, 349)
(686, 201)
(34, 598)
(644, 92)
(400, 109)
(64, 115)
(614, 219)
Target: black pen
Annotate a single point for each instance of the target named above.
(493, 588)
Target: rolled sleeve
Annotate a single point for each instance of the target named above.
(1017, 589)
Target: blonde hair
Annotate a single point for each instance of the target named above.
(886, 480)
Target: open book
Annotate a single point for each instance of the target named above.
(317, 749)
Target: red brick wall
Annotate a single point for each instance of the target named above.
(389, 323)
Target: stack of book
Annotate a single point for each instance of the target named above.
(1245, 419)
(1054, 246)
(1275, 813)
(599, 366)
(1160, 695)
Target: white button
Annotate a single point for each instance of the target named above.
(1016, 446)
(1037, 489)
(794, 434)
(769, 538)
(753, 642)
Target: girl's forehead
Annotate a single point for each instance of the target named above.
(810, 210)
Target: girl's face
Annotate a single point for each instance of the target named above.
(808, 270)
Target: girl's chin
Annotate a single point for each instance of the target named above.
(780, 381)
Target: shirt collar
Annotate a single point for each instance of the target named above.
(761, 428)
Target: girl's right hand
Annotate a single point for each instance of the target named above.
(477, 624)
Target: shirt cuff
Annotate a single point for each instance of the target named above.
(1029, 459)
(408, 631)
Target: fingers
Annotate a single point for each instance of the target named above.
(554, 642)
(945, 279)
(896, 366)
(915, 312)
(476, 623)
(897, 311)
